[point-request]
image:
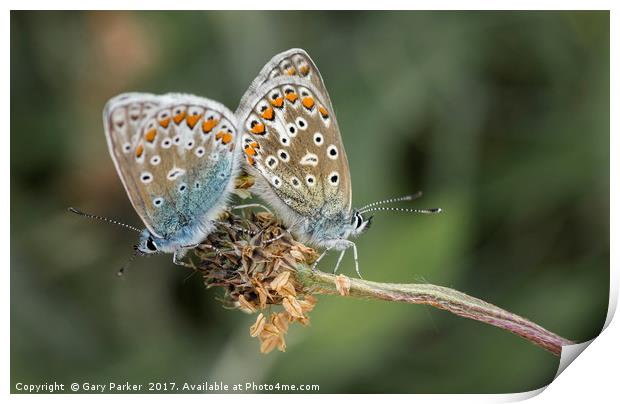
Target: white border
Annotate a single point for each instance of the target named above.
(593, 376)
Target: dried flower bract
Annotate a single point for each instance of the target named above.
(252, 257)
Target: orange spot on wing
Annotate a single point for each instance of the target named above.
(209, 124)
(254, 145)
(165, 122)
(308, 102)
(178, 118)
(323, 112)
(292, 97)
(150, 135)
(291, 71)
(305, 69)
(139, 150)
(227, 138)
(250, 151)
(192, 119)
(258, 128)
(268, 114)
(251, 160)
(278, 102)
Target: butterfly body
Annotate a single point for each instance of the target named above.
(177, 157)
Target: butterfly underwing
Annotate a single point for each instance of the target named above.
(292, 145)
(177, 156)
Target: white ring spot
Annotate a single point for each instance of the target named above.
(318, 139)
(301, 123)
(182, 187)
(146, 177)
(166, 143)
(310, 180)
(126, 148)
(155, 160)
(332, 152)
(272, 162)
(295, 182)
(310, 159)
(157, 202)
(175, 173)
(177, 140)
(189, 144)
(276, 181)
(286, 141)
(200, 151)
(333, 178)
(291, 130)
(284, 156)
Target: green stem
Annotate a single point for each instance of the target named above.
(456, 302)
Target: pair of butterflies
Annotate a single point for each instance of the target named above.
(178, 155)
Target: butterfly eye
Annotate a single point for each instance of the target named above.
(357, 220)
(150, 244)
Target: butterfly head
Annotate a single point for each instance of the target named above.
(358, 224)
(148, 244)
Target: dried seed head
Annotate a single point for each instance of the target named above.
(343, 284)
(292, 306)
(258, 326)
(257, 270)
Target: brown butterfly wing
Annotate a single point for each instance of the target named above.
(292, 143)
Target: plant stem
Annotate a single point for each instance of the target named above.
(316, 282)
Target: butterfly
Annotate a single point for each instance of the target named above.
(292, 145)
(177, 156)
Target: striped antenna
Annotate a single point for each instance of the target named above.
(393, 200)
(388, 208)
(104, 219)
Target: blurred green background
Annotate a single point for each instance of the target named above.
(501, 118)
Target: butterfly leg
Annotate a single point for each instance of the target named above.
(214, 248)
(339, 260)
(177, 258)
(239, 228)
(357, 266)
(320, 258)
